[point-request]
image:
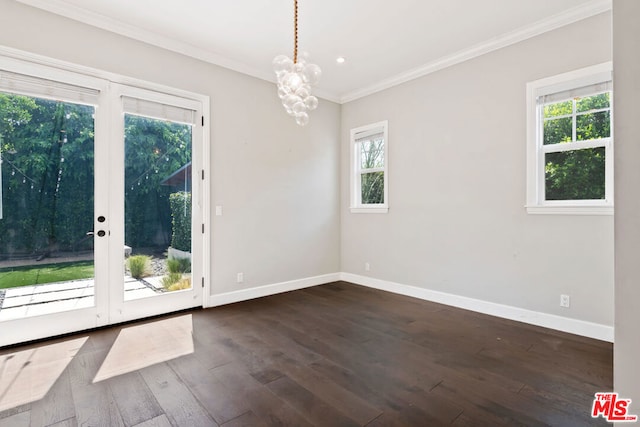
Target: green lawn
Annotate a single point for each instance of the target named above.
(46, 273)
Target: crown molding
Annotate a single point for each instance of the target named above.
(70, 11)
(67, 10)
(592, 8)
(63, 8)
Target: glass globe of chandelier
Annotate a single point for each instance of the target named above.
(296, 77)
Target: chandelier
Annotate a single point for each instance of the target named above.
(296, 77)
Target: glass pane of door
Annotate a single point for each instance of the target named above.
(157, 207)
(46, 206)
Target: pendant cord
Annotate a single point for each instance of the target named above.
(295, 32)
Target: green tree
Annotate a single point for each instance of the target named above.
(47, 150)
(576, 174)
(37, 135)
(154, 149)
(181, 220)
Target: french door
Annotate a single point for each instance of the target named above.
(101, 216)
(157, 239)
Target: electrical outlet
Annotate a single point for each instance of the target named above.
(240, 278)
(565, 301)
(367, 266)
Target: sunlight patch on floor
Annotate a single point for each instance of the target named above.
(26, 376)
(140, 346)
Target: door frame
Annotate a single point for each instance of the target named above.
(121, 310)
(109, 273)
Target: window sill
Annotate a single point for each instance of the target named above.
(369, 210)
(569, 210)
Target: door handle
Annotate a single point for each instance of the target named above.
(100, 233)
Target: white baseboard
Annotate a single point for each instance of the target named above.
(565, 324)
(263, 291)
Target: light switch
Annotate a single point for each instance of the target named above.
(218, 210)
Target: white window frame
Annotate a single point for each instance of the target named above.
(356, 171)
(536, 203)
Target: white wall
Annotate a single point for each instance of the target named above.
(626, 63)
(457, 222)
(277, 182)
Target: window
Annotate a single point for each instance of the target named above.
(570, 143)
(369, 176)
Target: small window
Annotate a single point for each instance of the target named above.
(369, 175)
(570, 143)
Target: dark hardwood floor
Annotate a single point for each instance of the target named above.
(331, 355)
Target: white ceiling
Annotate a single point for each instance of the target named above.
(385, 42)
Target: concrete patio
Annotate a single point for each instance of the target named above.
(27, 301)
